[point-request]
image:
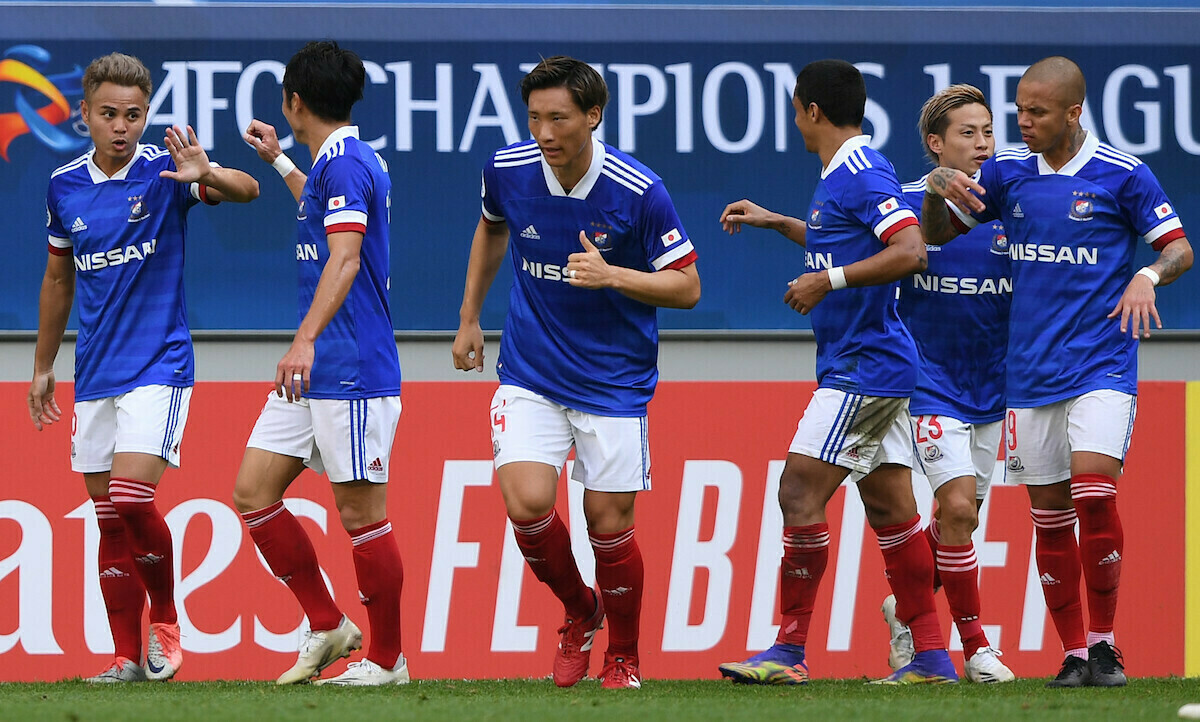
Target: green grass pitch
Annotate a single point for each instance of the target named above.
(535, 700)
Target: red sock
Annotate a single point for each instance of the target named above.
(122, 589)
(933, 535)
(380, 579)
(620, 576)
(960, 575)
(805, 556)
(909, 568)
(290, 554)
(1057, 556)
(150, 543)
(546, 544)
(1101, 543)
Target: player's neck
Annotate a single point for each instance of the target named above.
(1070, 146)
(570, 174)
(833, 140)
(318, 132)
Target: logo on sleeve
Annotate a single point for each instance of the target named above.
(888, 206)
(1163, 211)
(671, 237)
(49, 218)
(337, 202)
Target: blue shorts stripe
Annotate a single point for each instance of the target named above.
(833, 428)
(172, 420)
(1129, 428)
(645, 453)
(845, 421)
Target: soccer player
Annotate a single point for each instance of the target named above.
(861, 238)
(1074, 209)
(957, 311)
(598, 246)
(337, 389)
(116, 218)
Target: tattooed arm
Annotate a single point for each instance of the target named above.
(1137, 303)
(947, 184)
(744, 211)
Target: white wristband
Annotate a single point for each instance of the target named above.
(1150, 273)
(283, 165)
(837, 277)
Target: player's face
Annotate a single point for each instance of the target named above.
(289, 115)
(563, 130)
(803, 123)
(968, 141)
(1043, 115)
(115, 116)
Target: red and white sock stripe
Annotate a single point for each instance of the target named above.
(956, 561)
(1052, 518)
(104, 508)
(1092, 489)
(935, 531)
(368, 533)
(806, 542)
(258, 517)
(891, 541)
(533, 527)
(610, 544)
(129, 491)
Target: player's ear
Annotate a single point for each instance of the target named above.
(934, 141)
(595, 114)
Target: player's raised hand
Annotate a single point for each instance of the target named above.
(262, 137)
(805, 292)
(1136, 308)
(588, 269)
(191, 162)
(743, 211)
(43, 409)
(468, 347)
(956, 187)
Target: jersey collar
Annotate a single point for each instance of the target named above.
(98, 176)
(851, 145)
(340, 133)
(1073, 166)
(585, 184)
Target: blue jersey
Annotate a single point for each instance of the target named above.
(1071, 236)
(348, 189)
(957, 311)
(126, 234)
(862, 347)
(594, 350)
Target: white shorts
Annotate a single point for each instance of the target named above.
(346, 439)
(948, 449)
(855, 431)
(145, 420)
(612, 453)
(1039, 442)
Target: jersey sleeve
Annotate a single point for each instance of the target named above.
(666, 242)
(59, 240)
(1145, 206)
(877, 201)
(492, 212)
(345, 194)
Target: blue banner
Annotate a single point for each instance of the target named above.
(703, 98)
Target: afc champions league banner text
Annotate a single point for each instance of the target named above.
(714, 119)
(710, 533)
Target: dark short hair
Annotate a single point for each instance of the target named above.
(837, 88)
(119, 69)
(586, 86)
(329, 79)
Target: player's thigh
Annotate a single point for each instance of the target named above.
(985, 448)
(612, 453)
(848, 430)
(94, 438)
(284, 429)
(354, 436)
(151, 419)
(263, 477)
(943, 445)
(531, 438)
(1100, 422)
(1037, 450)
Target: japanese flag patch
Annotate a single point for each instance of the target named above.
(1163, 211)
(888, 206)
(337, 202)
(671, 237)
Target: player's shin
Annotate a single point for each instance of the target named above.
(620, 576)
(380, 574)
(122, 588)
(805, 556)
(909, 568)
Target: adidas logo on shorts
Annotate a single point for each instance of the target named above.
(376, 465)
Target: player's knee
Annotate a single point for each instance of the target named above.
(959, 514)
(245, 499)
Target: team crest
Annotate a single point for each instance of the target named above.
(1000, 242)
(814, 218)
(932, 453)
(301, 214)
(1081, 209)
(1014, 464)
(138, 211)
(600, 241)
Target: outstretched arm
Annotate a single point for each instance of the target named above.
(1136, 306)
(192, 166)
(487, 253)
(744, 211)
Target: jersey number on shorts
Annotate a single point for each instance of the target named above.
(932, 425)
(1010, 431)
(497, 417)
